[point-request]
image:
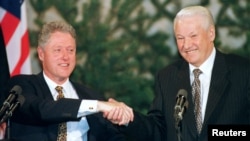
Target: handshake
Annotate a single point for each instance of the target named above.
(117, 112)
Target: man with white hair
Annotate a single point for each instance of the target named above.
(218, 92)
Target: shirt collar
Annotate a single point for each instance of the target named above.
(51, 84)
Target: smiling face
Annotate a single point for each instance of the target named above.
(194, 40)
(58, 56)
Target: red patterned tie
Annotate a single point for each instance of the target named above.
(62, 129)
(196, 91)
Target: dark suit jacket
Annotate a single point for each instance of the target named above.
(228, 101)
(37, 119)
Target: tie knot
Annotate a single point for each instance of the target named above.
(197, 72)
(59, 88)
(60, 93)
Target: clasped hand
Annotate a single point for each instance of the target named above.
(117, 112)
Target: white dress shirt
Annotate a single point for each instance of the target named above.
(205, 79)
(76, 130)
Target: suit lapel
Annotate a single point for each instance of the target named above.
(83, 92)
(218, 85)
(42, 83)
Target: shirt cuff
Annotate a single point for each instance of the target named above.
(87, 107)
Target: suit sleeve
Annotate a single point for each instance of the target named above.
(39, 106)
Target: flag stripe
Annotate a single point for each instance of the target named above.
(26, 63)
(9, 24)
(14, 27)
(24, 55)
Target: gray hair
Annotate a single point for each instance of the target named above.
(52, 27)
(196, 11)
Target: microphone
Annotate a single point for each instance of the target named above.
(16, 90)
(19, 102)
(180, 106)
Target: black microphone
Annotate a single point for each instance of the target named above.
(16, 90)
(180, 106)
(179, 109)
(19, 102)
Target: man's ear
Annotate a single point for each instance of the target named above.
(212, 33)
(40, 53)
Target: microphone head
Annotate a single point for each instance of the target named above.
(182, 92)
(20, 99)
(16, 89)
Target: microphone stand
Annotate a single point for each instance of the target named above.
(6, 118)
(178, 118)
(178, 129)
(8, 129)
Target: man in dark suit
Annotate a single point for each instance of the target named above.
(41, 113)
(224, 86)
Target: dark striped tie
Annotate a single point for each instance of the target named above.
(62, 129)
(196, 92)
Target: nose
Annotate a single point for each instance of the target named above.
(187, 43)
(65, 54)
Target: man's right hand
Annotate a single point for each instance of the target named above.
(117, 112)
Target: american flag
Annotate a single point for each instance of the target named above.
(13, 24)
